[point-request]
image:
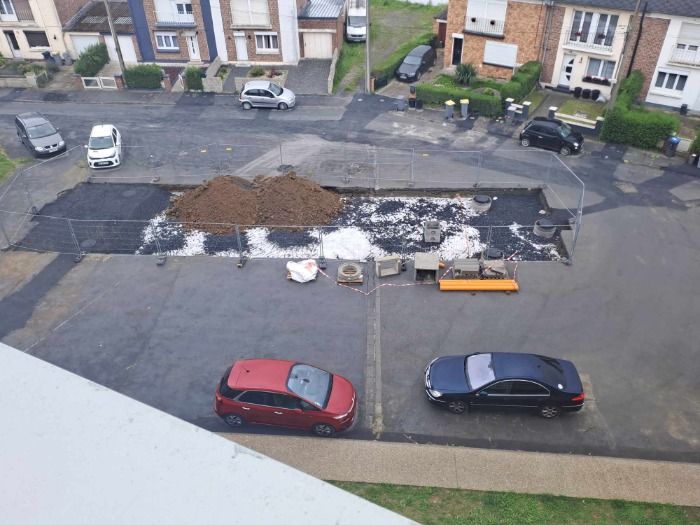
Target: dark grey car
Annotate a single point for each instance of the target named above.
(38, 134)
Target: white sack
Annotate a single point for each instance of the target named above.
(302, 271)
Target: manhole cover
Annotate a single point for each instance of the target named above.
(128, 193)
(88, 243)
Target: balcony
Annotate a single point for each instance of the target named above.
(591, 41)
(689, 55)
(484, 26)
(164, 20)
(16, 10)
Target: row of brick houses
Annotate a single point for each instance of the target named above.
(587, 44)
(176, 31)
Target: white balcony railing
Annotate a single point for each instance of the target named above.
(686, 56)
(591, 41)
(174, 19)
(484, 26)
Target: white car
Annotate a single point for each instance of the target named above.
(104, 147)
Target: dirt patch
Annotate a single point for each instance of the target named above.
(287, 200)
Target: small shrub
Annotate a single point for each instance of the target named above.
(256, 71)
(487, 105)
(465, 73)
(193, 76)
(695, 146)
(31, 67)
(143, 76)
(222, 73)
(91, 60)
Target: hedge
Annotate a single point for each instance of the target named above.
(627, 124)
(487, 105)
(384, 71)
(91, 60)
(193, 76)
(146, 76)
(695, 146)
(522, 82)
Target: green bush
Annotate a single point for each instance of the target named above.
(465, 73)
(193, 77)
(695, 146)
(487, 105)
(91, 60)
(522, 82)
(384, 70)
(31, 67)
(256, 71)
(144, 76)
(627, 124)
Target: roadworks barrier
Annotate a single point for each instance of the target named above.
(478, 285)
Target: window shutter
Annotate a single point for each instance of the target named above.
(260, 13)
(240, 13)
(496, 10)
(690, 33)
(500, 54)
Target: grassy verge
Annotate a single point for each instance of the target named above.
(536, 96)
(6, 166)
(351, 55)
(590, 109)
(436, 506)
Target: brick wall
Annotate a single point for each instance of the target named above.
(551, 45)
(524, 26)
(654, 32)
(253, 56)
(182, 54)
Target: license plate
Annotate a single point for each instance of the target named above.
(102, 163)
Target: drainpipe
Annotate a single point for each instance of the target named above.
(639, 36)
(545, 37)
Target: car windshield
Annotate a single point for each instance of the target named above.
(564, 131)
(101, 142)
(479, 370)
(276, 90)
(356, 21)
(42, 130)
(310, 383)
(414, 61)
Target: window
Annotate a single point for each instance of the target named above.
(594, 28)
(308, 381)
(285, 401)
(479, 369)
(672, 81)
(250, 13)
(498, 54)
(6, 8)
(499, 389)
(600, 68)
(36, 39)
(527, 388)
(167, 41)
(266, 43)
(487, 9)
(184, 9)
(256, 398)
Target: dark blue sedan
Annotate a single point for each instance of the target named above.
(505, 379)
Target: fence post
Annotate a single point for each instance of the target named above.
(412, 181)
(322, 258)
(4, 233)
(32, 208)
(79, 253)
(281, 156)
(160, 256)
(241, 257)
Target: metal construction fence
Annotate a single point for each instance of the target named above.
(26, 224)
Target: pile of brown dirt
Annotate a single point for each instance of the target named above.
(287, 200)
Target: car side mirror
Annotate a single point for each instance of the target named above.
(483, 393)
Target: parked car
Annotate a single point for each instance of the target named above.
(286, 394)
(38, 135)
(503, 379)
(104, 147)
(265, 94)
(416, 63)
(356, 23)
(551, 134)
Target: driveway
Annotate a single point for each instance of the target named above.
(309, 77)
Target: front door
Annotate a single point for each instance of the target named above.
(567, 66)
(14, 44)
(241, 47)
(193, 47)
(457, 51)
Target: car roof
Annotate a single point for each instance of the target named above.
(101, 130)
(32, 118)
(260, 374)
(257, 84)
(545, 120)
(418, 51)
(511, 365)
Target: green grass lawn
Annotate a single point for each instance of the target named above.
(590, 109)
(351, 55)
(436, 506)
(6, 166)
(536, 96)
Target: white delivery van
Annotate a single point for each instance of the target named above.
(356, 21)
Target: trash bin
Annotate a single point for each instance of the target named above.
(671, 145)
(48, 57)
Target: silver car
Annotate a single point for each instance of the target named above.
(266, 94)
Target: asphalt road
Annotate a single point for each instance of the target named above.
(625, 312)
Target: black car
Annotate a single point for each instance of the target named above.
(504, 379)
(551, 134)
(416, 63)
(38, 135)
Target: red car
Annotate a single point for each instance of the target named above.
(286, 394)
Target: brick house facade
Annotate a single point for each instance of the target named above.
(653, 35)
(238, 33)
(551, 41)
(523, 26)
(174, 40)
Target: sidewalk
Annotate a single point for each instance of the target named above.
(483, 469)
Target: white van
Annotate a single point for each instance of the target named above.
(356, 21)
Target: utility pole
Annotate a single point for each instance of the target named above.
(633, 20)
(368, 80)
(114, 35)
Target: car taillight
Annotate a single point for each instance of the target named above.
(579, 397)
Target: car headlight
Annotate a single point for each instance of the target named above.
(576, 144)
(38, 148)
(61, 142)
(435, 393)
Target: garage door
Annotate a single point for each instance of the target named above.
(127, 46)
(318, 45)
(82, 42)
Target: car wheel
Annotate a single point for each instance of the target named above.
(234, 420)
(247, 105)
(457, 407)
(525, 142)
(549, 411)
(282, 106)
(323, 430)
(565, 150)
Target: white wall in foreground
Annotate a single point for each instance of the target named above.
(73, 452)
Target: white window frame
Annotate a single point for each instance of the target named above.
(184, 8)
(601, 67)
(48, 43)
(250, 22)
(172, 37)
(483, 9)
(8, 7)
(591, 36)
(664, 89)
(265, 50)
